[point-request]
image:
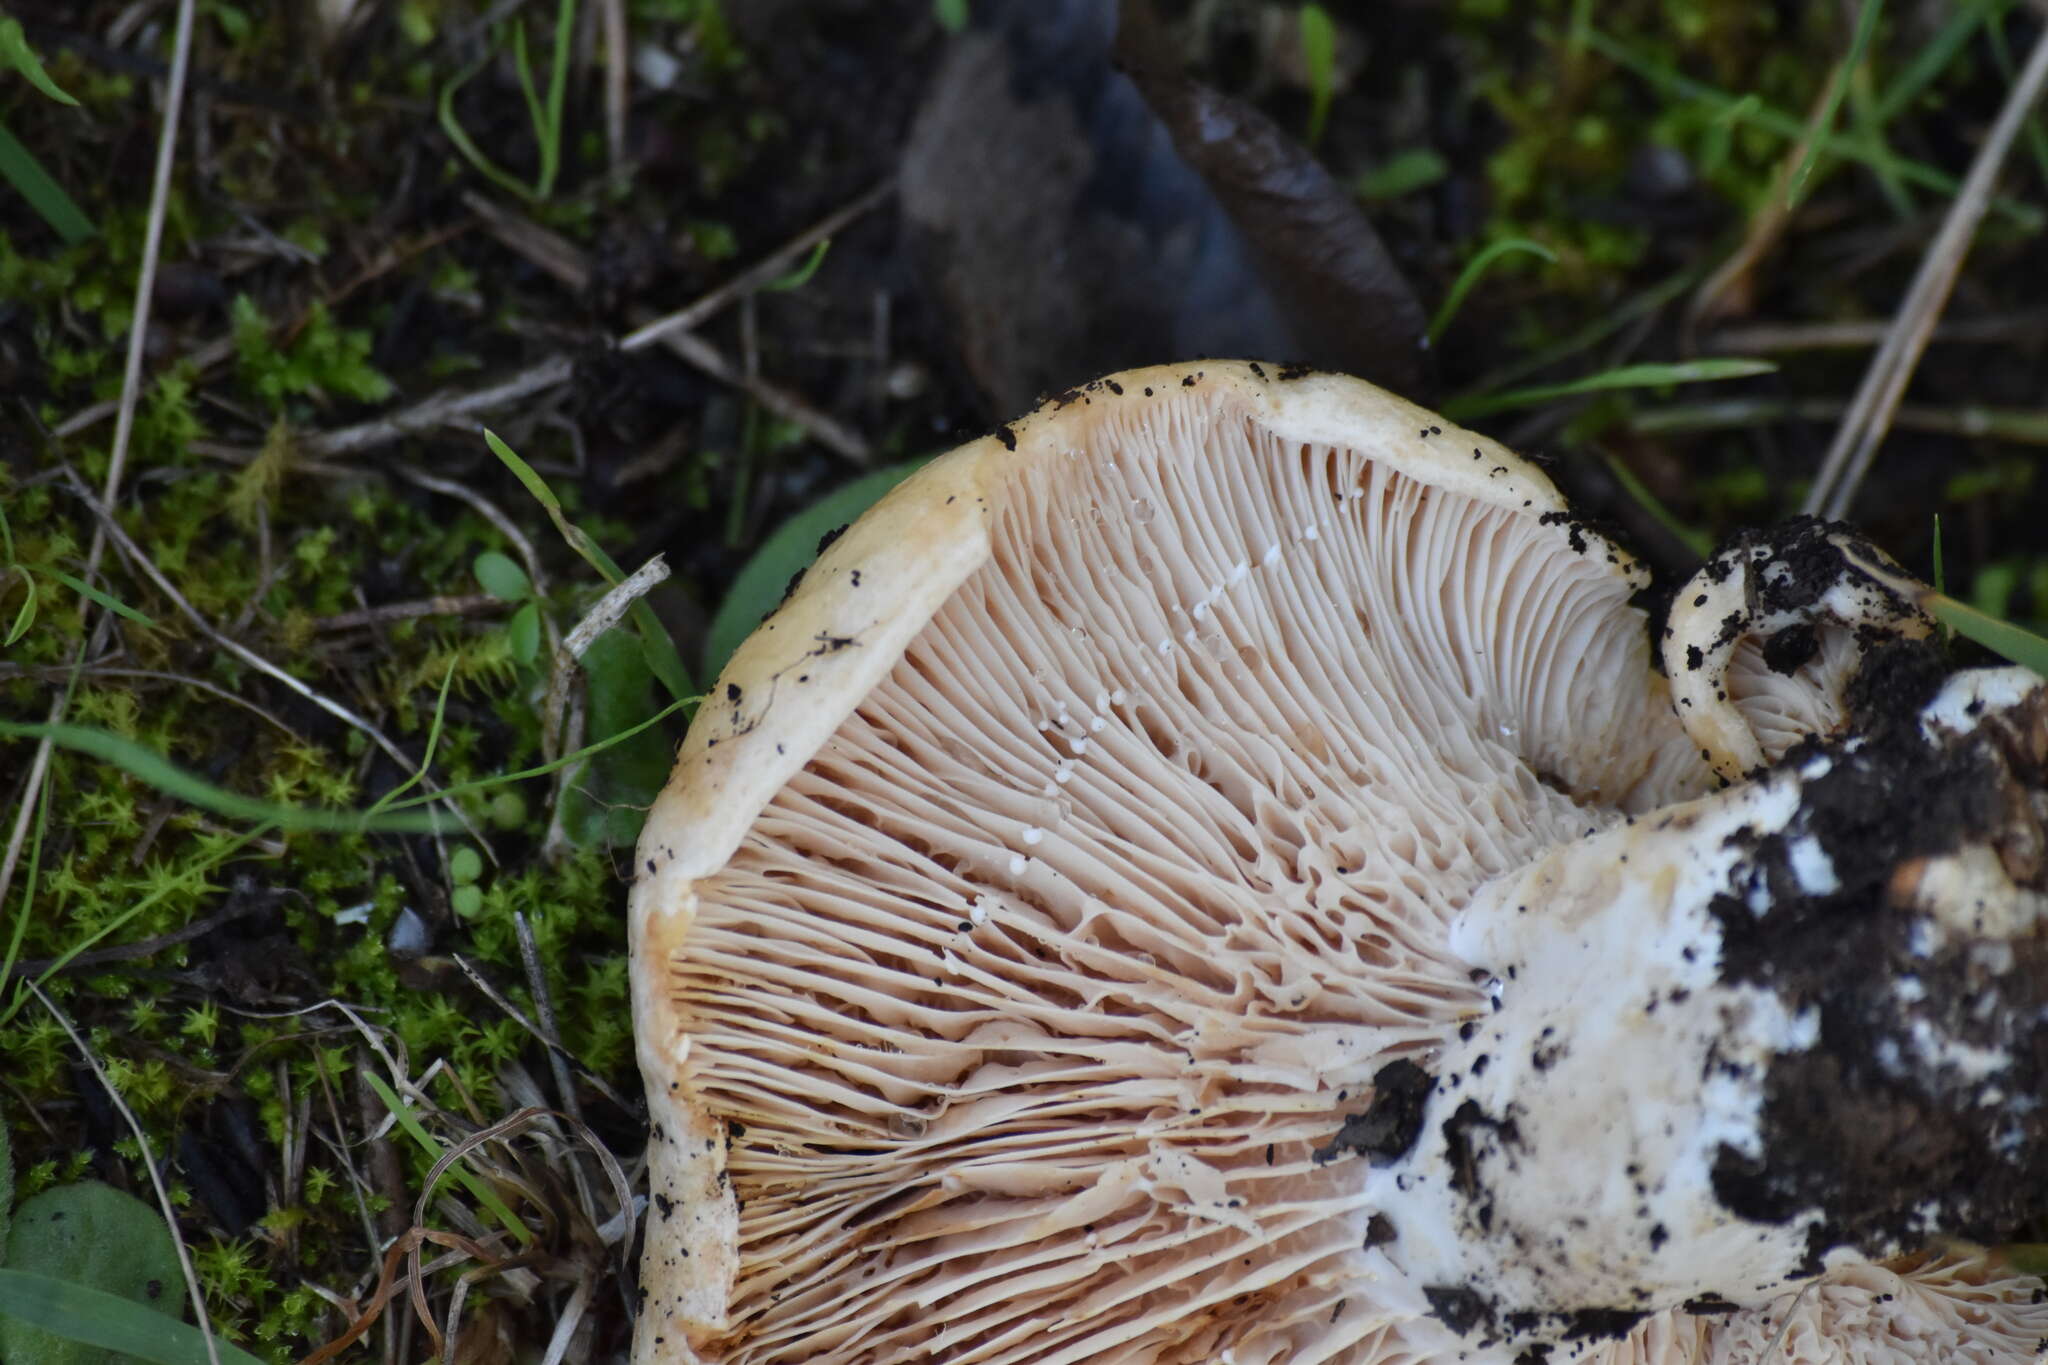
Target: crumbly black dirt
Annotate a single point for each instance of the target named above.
(1870, 1125)
(1387, 1130)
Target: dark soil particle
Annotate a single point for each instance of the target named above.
(1387, 1130)
(1458, 1307)
(1602, 1323)
(1788, 650)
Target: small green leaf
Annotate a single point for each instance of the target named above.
(26, 615)
(499, 576)
(15, 52)
(90, 1236)
(792, 546)
(524, 633)
(1402, 173)
(951, 14)
(1622, 377)
(465, 865)
(524, 472)
(466, 900)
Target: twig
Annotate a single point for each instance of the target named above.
(775, 263)
(608, 612)
(439, 410)
(562, 259)
(1778, 1339)
(471, 605)
(237, 908)
(1870, 415)
(156, 1180)
(124, 424)
(1769, 222)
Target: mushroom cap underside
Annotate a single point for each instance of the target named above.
(1040, 888)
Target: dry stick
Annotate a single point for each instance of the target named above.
(775, 263)
(440, 409)
(568, 264)
(163, 1196)
(472, 605)
(124, 427)
(1870, 415)
(558, 738)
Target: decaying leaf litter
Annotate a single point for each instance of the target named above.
(341, 295)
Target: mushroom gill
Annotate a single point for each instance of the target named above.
(1053, 897)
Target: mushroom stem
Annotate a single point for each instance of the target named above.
(1799, 1022)
(1780, 586)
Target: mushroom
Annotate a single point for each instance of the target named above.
(1210, 873)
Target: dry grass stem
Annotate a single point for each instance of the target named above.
(473, 604)
(440, 409)
(1776, 337)
(1884, 384)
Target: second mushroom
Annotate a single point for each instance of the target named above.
(1215, 872)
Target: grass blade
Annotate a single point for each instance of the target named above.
(1621, 377)
(109, 1321)
(654, 639)
(482, 1193)
(145, 763)
(1476, 267)
(2000, 637)
(85, 589)
(19, 167)
(15, 52)
(1866, 24)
